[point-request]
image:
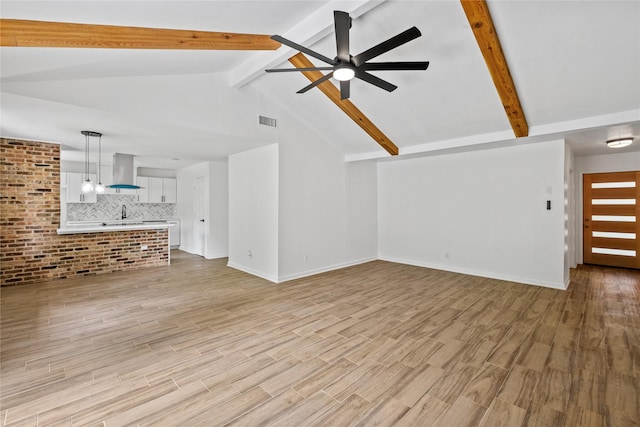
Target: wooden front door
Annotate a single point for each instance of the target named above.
(612, 219)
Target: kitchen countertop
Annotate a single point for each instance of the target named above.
(77, 227)
(126, 220)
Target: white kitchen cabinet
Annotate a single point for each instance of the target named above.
(157, 190)
(63, 182)
(170, 190)
(143, 191)
(74, 188)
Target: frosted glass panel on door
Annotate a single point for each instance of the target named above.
(630, 184)
(613, 218)
(609, 251)
(613, 201)
(613, 235)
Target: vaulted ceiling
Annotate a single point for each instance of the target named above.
(575, 66)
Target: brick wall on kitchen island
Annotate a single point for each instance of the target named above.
(30, 249)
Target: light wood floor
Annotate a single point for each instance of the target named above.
(198, 343)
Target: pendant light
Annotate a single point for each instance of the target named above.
(87, 185)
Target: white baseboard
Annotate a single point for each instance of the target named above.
(252, 272)
(490, 275)
(216, 256)
(301, 274)
(209, 256)
(315, 271)
(187, 250)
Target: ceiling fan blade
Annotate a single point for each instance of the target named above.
(345, 89)
(346, 105)
(342, 25)
(303, 49)
(316, 83)
(386, 46)
(376, 81)
(23, 33)
(280, 70)
(383, 66)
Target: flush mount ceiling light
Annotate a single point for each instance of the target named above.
(619, 143)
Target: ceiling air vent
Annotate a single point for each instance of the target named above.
(267, 121)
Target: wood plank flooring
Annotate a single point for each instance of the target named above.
(197, 343)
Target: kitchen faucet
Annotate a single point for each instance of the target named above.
(124, 211)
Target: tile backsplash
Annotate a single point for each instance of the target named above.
(110, 207)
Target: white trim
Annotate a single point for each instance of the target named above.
(217, 256)
(214, 256)
(523, 280)
(585, 123)
(315, 271)
(540, 133)
(466, 141)
(252, 272)
(187, 250)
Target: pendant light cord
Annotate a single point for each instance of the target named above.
(100, 159)
(86, 157)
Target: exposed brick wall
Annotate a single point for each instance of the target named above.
(30, 249)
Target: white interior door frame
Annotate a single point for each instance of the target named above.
(200, 215)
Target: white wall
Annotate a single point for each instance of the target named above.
(570, 211)
(186, 202)
(481, 213)
(253, 212)
(362, 211)
(218, 239)
(616, 162)
(327, 207)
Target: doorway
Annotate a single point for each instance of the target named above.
(611, 222)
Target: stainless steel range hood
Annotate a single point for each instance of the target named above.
(123, 171)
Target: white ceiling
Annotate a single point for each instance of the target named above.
(576, 65)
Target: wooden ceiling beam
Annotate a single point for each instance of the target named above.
(23, 33)
(477, 12)
(333, 93)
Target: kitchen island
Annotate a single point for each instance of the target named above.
(114, 245)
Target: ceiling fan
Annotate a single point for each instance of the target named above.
(345, 67)
(30, 33)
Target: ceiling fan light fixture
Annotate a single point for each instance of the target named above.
(619, 143)
(344, 73)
